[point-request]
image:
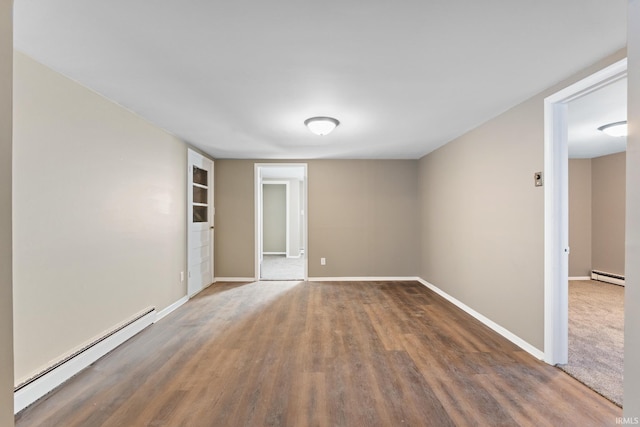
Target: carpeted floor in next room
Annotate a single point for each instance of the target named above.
(596, 336)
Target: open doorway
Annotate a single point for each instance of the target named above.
(281, 225)
(597, 200)
(560, 108)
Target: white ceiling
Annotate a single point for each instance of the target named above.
(237, 79)
(586, 114)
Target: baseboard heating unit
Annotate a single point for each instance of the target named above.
(603, 276)
(44, 382)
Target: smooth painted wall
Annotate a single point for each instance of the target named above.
(608, 182)
(99, 216)
(632, 271)
(274, 218)
(580, 217)
(6, 306)
(597, 215)
(362, 217)
(482, 219)
(235, 219)
(295, 220)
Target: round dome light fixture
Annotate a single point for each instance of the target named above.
(321, 125)
(617, 129)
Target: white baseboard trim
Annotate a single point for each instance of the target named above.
(200, 290)
(362, 279)
(163, 313)
(235, 279)
(33, 390)
(580, 278)
(488, 322)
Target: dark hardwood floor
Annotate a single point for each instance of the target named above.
(320, 354)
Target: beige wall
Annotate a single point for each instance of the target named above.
(274, 214)
(580, 217)
(6, 318)
(632, 271)
(235, 222)
(608, 207)
(597, 215)
(99, 216)
(362, 218)
(483, 220)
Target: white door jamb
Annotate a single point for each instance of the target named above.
(556, 209)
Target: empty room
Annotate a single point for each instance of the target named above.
(597, 175)
(406, 166)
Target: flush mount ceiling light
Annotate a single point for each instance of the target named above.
(321, 125)
(615, 129)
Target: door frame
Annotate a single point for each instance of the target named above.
(258, 214)
(556, 209)
(194, 158)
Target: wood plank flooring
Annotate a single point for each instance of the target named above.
(320, 354)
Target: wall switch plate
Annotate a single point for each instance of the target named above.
(323, 261)
(537, 178)
(182, 276)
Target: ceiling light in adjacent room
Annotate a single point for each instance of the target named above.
(321, 125)
(615, 129)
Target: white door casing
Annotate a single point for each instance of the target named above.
(259, 168)
(200, 222)
(556, 217)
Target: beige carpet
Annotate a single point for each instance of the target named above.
(596, 337)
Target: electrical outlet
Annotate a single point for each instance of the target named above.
(323, 261)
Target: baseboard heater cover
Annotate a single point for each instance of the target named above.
(603, 276)
(41, 384)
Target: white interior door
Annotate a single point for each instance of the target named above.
(200, 223)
